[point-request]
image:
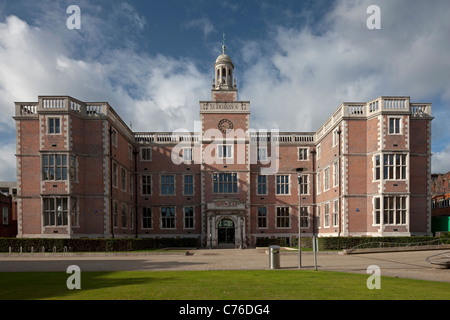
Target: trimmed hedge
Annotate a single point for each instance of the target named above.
(93, 245)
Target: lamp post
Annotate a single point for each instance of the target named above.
(299, 173)
(210, 232)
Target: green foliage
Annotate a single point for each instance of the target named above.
(93, 245)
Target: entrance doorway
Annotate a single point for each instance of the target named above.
(226, 232)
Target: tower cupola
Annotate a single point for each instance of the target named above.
(223, 70)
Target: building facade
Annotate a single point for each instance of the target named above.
(8, 210)
(82, 172)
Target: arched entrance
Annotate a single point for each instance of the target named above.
(226, 231)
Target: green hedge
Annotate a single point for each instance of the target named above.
(93, 245)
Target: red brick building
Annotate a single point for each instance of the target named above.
(82, 172)
(8, 225)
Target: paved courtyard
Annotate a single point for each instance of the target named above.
(411, 265)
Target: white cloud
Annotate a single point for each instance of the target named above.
(8, 162)
(440, 161)
(203, 24)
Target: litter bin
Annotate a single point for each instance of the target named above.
(274, 257)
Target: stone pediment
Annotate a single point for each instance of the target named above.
(226, 205)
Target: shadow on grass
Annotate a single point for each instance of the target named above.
(31, 280)
(52, 285)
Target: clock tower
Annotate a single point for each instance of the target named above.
(225, 166)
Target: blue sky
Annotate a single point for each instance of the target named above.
(295, 61)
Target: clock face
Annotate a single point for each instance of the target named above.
(225, 125)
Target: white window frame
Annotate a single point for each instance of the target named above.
(184, 218)
(283, 185)
(335, 174)
(288, 209)
(301, 152)
(326, 215)
(265, 184)
(149, 213)
(229, 152)
(53, 118)
(262, 154)
(335, 215)
(326, 179)
(188, 155)
(398, 128)
(146, 154)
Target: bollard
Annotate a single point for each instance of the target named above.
(274, 257)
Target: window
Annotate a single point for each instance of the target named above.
(131, 183)
(335, 213)
(5, 215)
(326, 215)
(304, 217)
(146, 185)
(377, 210)
(304, 184)
(168, 218)
(54, 167)
(282, 184)
(225, 151)
(319, 151)
(225, 182)
(394, 125)
(189, 217)
(189, 184)
(335, 137)
(302, 153)
(377, 167)
(326, 179)
(262, 154)
(124, 216)
(55, 211)
(54, 125)
(283, 218)
(114, 175)
(147, 218)
(262, 217)
(394, 166)
(115, 214)
(187, 154)
(114, 137)
(394, 210)
(168, 184)
(262, 184)
(146, 154)
(335, 174)
(319, 183)
(123, 179)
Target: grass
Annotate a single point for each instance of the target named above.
(215, 285)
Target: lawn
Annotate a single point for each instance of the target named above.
(215, 285)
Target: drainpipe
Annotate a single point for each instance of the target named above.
(313, 155)
(136, 152)
(111, 185)
(339, 178)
